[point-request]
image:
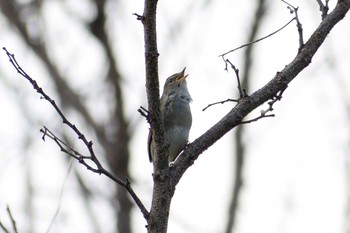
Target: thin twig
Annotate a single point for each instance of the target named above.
(101, 170)
(257, 118)
(241, 90)
(139, 17)
(81, 136)
(260, 39)
(144, 112)
(299, 25)
(263, 113)
(220, 102)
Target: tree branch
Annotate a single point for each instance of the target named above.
(70, 151)
(116, 147)
(248, 104)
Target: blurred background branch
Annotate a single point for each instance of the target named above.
(240, 146)
(113, 135)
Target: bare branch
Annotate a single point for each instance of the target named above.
(323, 8)
(263, 113)
(99, 170)
(70, 151)
(81, 136)
(138, 17)
(242, 91)
(278, 83)
(257, 118)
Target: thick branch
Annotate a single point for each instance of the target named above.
(159, 214)
(248, 104)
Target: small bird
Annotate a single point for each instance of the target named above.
(176, 114)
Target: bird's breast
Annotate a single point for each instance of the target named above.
(177, 111)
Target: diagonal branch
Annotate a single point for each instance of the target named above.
(70, 151)
(12, 11)
(81, 136)
(248, 104)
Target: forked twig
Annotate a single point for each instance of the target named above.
(242, 91)
(263, 113)
(323, 8)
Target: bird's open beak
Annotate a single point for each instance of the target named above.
(182, 75)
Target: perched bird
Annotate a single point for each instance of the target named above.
(176, 114)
